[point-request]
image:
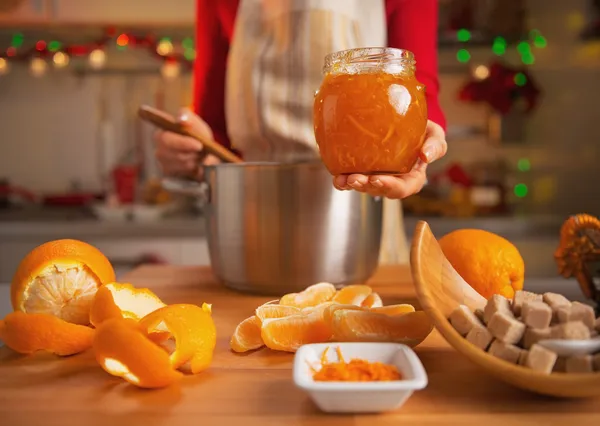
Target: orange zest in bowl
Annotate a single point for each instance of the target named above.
(357, 370)
(29, 333)
(123, 350)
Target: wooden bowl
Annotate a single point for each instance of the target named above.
(441, 289)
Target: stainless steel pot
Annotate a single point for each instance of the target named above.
(277, 228)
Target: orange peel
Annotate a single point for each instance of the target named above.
(123, 350)
(193, 329)
(28, 333)
(122, 300)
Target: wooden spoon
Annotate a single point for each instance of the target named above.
(167, 122)
(440, 290)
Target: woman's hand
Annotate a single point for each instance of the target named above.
(405, 185)
(178, 155)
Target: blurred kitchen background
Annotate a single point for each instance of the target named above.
(520, 85)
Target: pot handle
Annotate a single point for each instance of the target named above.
(188, 187)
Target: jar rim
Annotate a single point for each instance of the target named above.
(369, 55)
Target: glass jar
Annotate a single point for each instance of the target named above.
(370, 112)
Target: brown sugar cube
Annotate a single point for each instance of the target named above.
(536, 314)
(506, 328)
(480, 337)
(495, 304)
(541, 359)
(596, 361)
(505, 351)
(523, 357)
(522, 296)
(561, 365)
(479, 314)
(555, 301)
(577, 312)
(534, 335)
(463, 320)
(572, 330)
(579, 364)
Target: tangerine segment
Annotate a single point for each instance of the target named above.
(123, 350)
(386, 310)
(394, 309)
(60, 278)
(275, 311)
(373, 300)
(122, 300)
(311, 296)
(289, 333)
(353, 294)
(29, 333)
(193, 329)
(246, 336)
(362, 326)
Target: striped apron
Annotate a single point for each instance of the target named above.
(274, 68)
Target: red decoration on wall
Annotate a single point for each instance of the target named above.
(500, 89)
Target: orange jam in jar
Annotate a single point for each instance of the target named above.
(370, 112)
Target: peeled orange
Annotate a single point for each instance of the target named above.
(60, 278)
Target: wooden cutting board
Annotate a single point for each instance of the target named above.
(257, 388)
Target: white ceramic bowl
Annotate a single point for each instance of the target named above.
(359, 397)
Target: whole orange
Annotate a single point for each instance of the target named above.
(488, 262)
(60, 278)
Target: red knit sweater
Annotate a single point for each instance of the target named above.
(412, 25)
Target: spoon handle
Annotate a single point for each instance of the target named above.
(166, 122)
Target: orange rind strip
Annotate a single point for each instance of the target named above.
(28, 333)
(122, 300)
(194, 332)
(123, 350)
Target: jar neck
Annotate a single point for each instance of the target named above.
(370, 59)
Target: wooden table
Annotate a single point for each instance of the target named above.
(257, 388)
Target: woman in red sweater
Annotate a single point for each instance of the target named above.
(258, 64)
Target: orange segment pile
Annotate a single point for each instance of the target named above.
(320, 314)
(122, 300)
(29, 333)
(123, 349)
(60, 278)
(63, 286)
(194, 332)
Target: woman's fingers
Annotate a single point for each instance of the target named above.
(435, 145)
(385, 185)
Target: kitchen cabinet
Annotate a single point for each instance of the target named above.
(124, 13)
(24, 12)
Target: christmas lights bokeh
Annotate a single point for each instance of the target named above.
(42, 53)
